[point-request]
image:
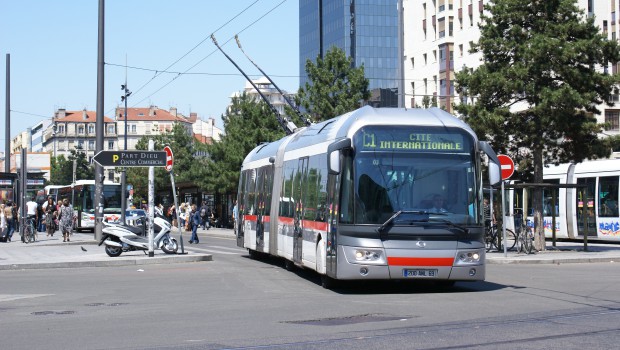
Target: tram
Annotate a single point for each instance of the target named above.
(599, 183)
(352, 197)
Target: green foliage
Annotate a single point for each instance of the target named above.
(539, 86)
(189, 161)
(62, 169)
(247, 123)
(336, 86)
(535, 97)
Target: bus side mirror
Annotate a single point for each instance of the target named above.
(333, 155)
(334, 162)
(495, 174)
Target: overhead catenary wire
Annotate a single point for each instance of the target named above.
(211, 53)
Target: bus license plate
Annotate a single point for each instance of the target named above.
(420, 273)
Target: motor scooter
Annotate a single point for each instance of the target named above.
(119, 237)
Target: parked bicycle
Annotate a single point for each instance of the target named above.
(29, 231)
(493, 238)
(525, 237)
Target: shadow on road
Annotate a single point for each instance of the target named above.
(381, 286)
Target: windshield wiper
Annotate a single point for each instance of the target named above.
(381, 228)
(424, 220)
(463, 229)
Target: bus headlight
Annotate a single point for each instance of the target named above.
(469, 257)
(372, 256)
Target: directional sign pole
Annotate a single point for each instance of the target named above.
(151, 202)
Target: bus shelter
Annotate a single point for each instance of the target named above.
(582, 192)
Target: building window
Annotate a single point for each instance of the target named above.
(80, 144)
(61, 128)
(91, 129)
(612, 119)
(110, 129)
(133, 129)
(91, 145)
(81, 130)
(111, 175)
(110, 145)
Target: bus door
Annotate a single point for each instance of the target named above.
(298, 232)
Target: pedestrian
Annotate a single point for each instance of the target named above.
(182, 214)
(173, 215)
(205, 214)
(66, 219)
(235, 214)
(9, 219)
(195, 221)
(31, 213)
(49, 208)
(3, 228)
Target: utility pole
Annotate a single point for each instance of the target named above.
(99, 125)
(7, 121)
(124, 173)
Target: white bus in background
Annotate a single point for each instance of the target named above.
(82, 197)
(601, 179)
(52, 190)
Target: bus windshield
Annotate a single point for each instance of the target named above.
(429, 170)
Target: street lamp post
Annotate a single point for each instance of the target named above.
(54, 138)
(123, 175)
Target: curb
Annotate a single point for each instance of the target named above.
(111, 263)
(506, 261)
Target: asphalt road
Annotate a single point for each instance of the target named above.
(234, 302)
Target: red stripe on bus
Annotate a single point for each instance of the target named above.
(286, 220)
(399, 261)
(250, 217)
(255, 217)
(315, 225)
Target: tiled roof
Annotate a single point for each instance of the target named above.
(78, 117)
(149, 114)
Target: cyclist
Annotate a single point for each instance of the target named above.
(31, 212)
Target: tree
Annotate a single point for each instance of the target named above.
(247, 123)
(335, 88)
(537, 91)
(62, 169)
(189, 161)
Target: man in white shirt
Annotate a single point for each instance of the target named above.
(31, 207)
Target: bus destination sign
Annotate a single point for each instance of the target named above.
(412, 141)
(130, 158)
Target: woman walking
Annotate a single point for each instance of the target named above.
(49, 208)
(66, 219)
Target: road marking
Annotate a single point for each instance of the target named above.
(211, 251)
(11, 297)
(227, 248)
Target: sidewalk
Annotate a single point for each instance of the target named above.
(563, 252)
(83, 251)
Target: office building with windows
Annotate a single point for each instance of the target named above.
(367, 31)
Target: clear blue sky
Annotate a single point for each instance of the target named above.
(53, 52)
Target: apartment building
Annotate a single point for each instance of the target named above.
(440, 33)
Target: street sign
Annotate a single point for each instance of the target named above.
(130, 158)
(507, 166)
(169, 158)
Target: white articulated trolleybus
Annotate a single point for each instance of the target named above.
(352, 197)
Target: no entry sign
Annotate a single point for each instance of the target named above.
(508, 166)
